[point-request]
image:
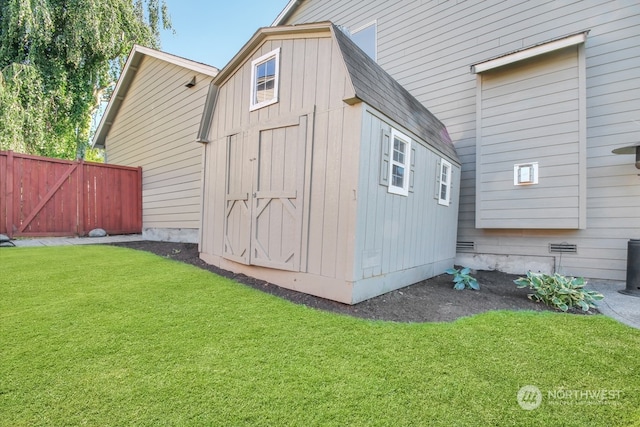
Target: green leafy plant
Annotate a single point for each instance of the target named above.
(462, 279)
(559, 291)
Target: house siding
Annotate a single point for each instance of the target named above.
(530, 112)
(429, 46)
(156, 129)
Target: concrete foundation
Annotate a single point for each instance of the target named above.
(512, 264)
(177, 235)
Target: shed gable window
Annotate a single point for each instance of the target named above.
(400, 150)
(264, 80)
(444, 183)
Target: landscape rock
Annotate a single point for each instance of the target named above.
(97, 232)
(5, 241)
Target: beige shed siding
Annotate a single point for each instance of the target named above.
(156, 129)
(429, 46)
(313, 87)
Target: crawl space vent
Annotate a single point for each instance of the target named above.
(465, 246)
(562, 248)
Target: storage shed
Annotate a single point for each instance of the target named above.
(322, 173)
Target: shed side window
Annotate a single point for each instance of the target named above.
(444, 187)
(264, 80)
(399, 165)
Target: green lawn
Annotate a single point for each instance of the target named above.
(99, 336)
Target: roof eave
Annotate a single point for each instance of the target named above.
(126, 77)
(286, 12)
(259, 36)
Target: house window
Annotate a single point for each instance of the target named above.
(366, 39)
(444, 186)
(264, 80)
(399, 165)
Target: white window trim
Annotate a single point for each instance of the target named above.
(447, 199)
(404, 190)
(530, 178)
(375, 35)
(264, 58)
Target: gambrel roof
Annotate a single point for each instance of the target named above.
(369, 83)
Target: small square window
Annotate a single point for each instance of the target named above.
(399, 164)
(264, 80)
(444, 185)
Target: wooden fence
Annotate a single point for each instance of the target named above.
(41, 197)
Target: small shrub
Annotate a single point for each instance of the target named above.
(559, 291)
(462, 279)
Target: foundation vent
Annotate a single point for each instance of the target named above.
(563, 248)
(465, 246)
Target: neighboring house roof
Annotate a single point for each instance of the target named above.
(126, 77)
(369, 84)
(288, 10)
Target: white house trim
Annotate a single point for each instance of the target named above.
(288, 9)
(529, 52)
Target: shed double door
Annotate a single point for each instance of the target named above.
(264, 196)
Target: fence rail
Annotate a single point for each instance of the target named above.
(41, 197)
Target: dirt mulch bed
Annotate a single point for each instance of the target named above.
(432, 300)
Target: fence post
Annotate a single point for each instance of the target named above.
(9, 195)
(139, 197)
(80, 231)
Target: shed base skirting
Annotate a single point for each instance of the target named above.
(343, 291)
(373, 286)
(176, 235)
(512, 264)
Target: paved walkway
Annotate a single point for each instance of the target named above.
(65, 241)
(624, 308)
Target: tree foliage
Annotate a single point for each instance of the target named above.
(58, 58)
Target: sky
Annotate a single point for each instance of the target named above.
(213, 31)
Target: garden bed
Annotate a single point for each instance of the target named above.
(432, 300)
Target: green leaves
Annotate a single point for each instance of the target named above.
(462, 279)
(559, 291)
(57, 58)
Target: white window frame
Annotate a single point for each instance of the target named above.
(446, 200)
(253, 105)
(373, 24)
(394, 189)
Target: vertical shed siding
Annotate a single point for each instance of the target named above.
(313, 83)
(395, 232)
(429, 46)
(156, 129)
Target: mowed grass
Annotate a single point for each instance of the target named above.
(109, 336)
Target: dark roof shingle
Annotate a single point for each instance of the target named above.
(374, 86)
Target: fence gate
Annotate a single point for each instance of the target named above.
(41, 197)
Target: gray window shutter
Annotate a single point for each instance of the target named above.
(385, 146)
(436, 193)
(412, 169)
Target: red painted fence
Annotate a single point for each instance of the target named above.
(41, 197)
